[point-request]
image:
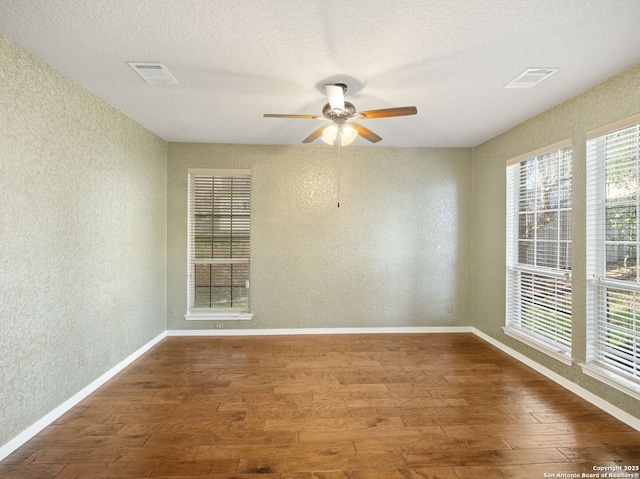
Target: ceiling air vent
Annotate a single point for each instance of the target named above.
(153, 72)
(531, 77)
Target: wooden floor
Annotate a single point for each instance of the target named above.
(329, 407)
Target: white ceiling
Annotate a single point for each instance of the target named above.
(238, 59)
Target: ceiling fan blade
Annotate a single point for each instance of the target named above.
(335, 94)
(367, 134)
(316, 134)
(388, 112)
(277, 115)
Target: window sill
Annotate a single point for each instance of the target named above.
(228, 315)
(612, 379)
(557, 354)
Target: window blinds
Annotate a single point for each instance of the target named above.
(613, 207)
(539, 225)
(219, 240)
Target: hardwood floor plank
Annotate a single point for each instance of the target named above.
(383, 376)
(386, 433)
(324, 463)
(306, 404)
(200, 467)
(463, 419)
(509, 428)
(573, 440)
(426, 444)
(291, 450)
(106, 470)
(323, 391)
(223, 476)
(31, 471)
(397, 403)
(494, 458)
(214, 437)
(571, 416)
(65, 455)
(369, 406)
(439, 411)
(312, 413)
(50, 441)
(340, 424)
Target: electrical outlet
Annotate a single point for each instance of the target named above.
(219, 325)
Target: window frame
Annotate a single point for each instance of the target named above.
(214, 313)
(524, 280)
(604, 291)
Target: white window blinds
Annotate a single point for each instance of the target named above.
(539, 224)
(613, 247)
(219, 240)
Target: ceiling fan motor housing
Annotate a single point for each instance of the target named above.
(348, 111)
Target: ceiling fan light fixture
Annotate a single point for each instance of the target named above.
(330, 133)
(348, 133)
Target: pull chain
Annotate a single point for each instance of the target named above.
(338, 167)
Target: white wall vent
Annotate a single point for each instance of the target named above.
(153, 72)
(531, 77)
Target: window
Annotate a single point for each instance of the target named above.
(613, 246)
(219, 244)
(539, 222)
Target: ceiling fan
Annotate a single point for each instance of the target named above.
(341, 113)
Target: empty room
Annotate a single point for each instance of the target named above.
(319, 239)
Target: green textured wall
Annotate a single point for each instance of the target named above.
(614, 99)
(82, 235)
(395, 253)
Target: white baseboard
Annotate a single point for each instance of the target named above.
(597, 401)
(302, 331)
(46, 420)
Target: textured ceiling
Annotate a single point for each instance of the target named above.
(235, 60)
